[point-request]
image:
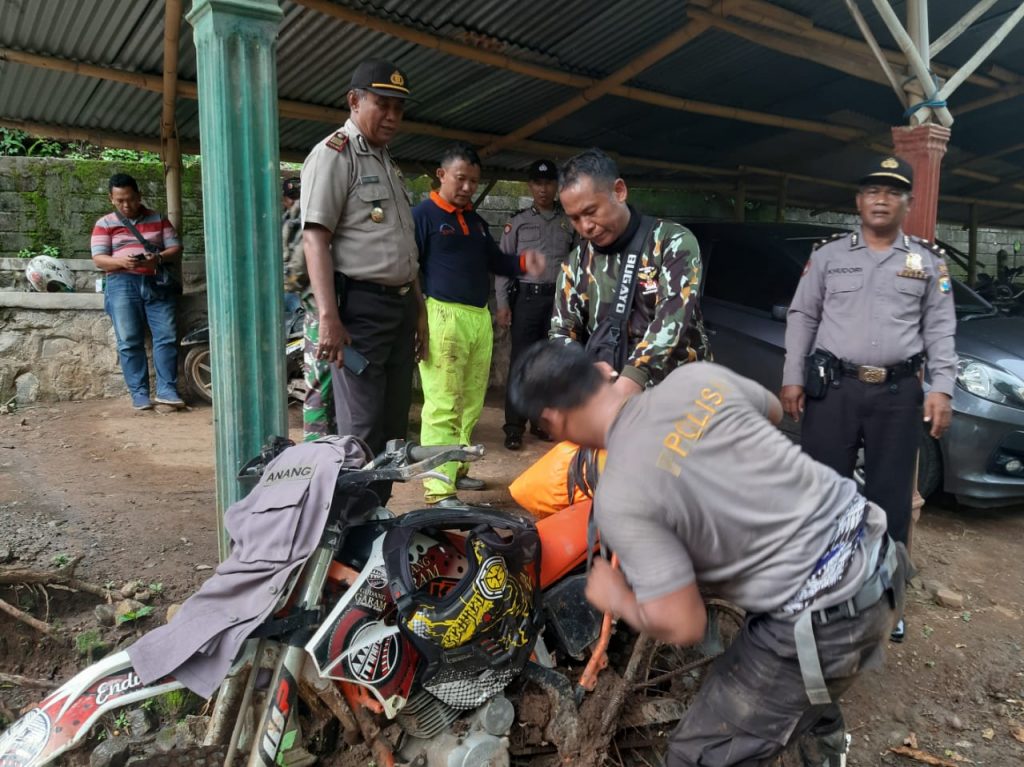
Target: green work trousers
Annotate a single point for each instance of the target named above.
(454, 377)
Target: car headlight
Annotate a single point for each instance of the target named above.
(989, 382)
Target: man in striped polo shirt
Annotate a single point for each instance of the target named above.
(131, 298)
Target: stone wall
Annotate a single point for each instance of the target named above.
(61, 346)
(55, 202)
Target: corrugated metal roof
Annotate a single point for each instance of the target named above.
(316, 55)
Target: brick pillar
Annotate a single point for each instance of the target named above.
(923, 147)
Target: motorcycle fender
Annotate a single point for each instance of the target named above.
(65, 717)
(196, 337)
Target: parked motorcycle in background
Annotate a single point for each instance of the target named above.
(196, 368)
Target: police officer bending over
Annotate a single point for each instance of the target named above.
(872, 308)
(794, 544)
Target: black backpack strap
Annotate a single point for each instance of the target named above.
(146, 244)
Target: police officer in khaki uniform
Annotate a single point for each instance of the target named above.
(525, 303)
(873, 306)
(361, 255)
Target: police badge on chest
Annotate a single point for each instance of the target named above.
(914, 267)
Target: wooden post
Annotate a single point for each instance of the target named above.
(740, 206)
(780, 202)
(170, 151)
(972, 246)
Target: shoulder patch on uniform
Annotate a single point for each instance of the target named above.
(508, 227)
(338, 141)
(827, 240)
(929, 245)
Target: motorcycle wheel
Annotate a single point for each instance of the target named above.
(672, 678)
(197, 373)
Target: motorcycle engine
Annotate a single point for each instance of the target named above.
(480, 739)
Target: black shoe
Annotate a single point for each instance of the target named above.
(899, 633)
(513, 441)
(540, 434)
(469, 483)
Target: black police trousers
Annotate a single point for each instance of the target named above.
(883, 418)
(374, 405)
(531, 321)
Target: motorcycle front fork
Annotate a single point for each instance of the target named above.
(277, 727)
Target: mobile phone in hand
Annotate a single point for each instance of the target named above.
(355, 362)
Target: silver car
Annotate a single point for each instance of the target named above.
(751, 273)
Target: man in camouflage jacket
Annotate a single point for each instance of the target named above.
(665, 328)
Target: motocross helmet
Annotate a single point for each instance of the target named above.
(477, 635)
(48, 275)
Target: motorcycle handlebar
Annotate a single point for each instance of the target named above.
(419, 453)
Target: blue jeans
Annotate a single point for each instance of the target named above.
(132, 304)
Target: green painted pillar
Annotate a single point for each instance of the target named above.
(235, 54)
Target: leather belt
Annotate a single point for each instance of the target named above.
(873, 588)
(876, 374)
(537, 288)
(376, 287)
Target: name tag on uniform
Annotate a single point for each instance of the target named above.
(369, 179)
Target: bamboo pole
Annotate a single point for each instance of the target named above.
(170, 151)
(959, 27)
(981, 54)
(876, 49)
(793, 23)
(917, 64)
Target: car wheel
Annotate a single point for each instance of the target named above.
(197, 373)
(929, 466)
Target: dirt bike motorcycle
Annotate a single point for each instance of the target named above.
(196, 368)
(438, 638)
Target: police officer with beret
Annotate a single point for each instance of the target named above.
(872, 308)
(360, 247)
(525, 303)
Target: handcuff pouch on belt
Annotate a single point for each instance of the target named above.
(820, 370)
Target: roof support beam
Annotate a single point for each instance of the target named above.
(669, 45)
(917, 64)
(170, 152)
(982, 53)
(500, 61)
(959, 27)
(883, 62)
(799, 28)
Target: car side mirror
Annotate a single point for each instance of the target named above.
(779, 312)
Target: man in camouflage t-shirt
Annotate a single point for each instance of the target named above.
(702, 495)
(664, 324)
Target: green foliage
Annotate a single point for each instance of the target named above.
(121, 721)
(172, 706)
(59, 560)
(87, 641)
(17, 143)
(128, 155)
(46, 250)
(134, 615)
(156, 588)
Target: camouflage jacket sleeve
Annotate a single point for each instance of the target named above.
(569, 317)
(676, 248)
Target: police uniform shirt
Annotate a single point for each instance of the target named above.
(532, 229)
(669, 503)
(356, 191)
(872, 308)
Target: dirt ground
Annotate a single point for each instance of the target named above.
(132, 493)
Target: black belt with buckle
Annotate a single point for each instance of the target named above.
(376, 287)
(876, 374)
(537, 288)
